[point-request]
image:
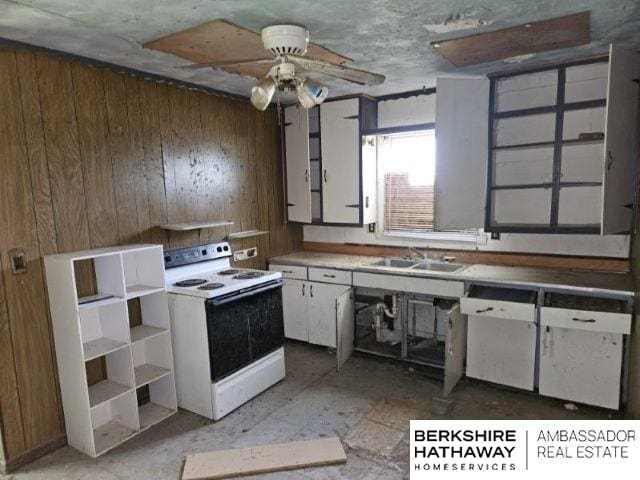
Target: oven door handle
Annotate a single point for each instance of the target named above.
(244, 294)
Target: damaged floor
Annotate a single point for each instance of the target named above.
(368, 404)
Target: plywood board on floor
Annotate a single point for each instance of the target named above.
(263, 459)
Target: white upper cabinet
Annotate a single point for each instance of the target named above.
(461, 136)
(340, 146)
(330, 180)
(621, 139)
(562, 147)
(296, 134)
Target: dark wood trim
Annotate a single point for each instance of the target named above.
(601, 57)
(400, 129)
(13, 464)
(408, 94)
(601, 264)
(557, 148)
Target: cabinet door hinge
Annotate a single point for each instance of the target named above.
(355, 205)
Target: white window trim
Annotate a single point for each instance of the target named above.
(381, 234)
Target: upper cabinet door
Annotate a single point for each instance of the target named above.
(462, 112)
(296, 137)
(620, 141)
(340, 150)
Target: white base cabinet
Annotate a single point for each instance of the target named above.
(309, 310)
(581, 348)
(501, 351)
(581, 366)
(501, 335)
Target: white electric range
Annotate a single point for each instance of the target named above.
(227, 329)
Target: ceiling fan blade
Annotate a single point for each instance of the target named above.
(227, 63)
(354, 75)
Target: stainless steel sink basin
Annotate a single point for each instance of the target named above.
(439, 266)
(395, 263)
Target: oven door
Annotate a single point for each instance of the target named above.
(244, 327)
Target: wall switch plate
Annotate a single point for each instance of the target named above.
(495, 235)
(245, 254)
(372, 228)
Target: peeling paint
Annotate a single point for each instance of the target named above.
(455, 23)
(391, 37)
(519, 58)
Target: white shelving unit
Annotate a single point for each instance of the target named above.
(99, 417)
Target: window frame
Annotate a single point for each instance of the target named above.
(381, 232)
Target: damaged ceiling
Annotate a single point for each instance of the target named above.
(391, 37)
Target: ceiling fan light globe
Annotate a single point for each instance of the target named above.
(312, 93)
(262, 93)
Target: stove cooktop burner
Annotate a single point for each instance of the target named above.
(211, 286)
(229, 271)
(248, 275)
(190, 282)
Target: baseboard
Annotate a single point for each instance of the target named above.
(13, 464)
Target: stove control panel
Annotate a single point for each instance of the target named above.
(178, 257)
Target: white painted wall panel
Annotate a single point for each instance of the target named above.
(576, 122)
(528, 206)
(586, 82)
(583, 162)
(529, 129)
(523, 166)
(407, 111)
(580, 206)
(527, 91)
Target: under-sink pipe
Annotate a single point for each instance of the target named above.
(381, 309)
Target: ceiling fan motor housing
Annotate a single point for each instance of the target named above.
(285, 39)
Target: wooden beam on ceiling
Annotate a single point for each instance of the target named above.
(533, 37)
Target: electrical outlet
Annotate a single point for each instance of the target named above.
(18, 258)
(495, 235)
(245, 254)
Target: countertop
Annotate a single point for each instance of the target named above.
(572, 280)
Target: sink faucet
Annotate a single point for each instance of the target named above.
(415, 252)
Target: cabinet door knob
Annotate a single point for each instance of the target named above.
(303, 289)
(325, 175)
(311, 291)
(306, 176)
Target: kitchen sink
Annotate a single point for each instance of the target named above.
(395, 263)
(438, 267)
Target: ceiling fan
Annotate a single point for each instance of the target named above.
(288, 46)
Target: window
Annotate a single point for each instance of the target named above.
(407, 163)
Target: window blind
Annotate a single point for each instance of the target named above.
(407, 207)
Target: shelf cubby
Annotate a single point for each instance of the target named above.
(160, 403)
(148, 316)
(143, 272)
(103, 350)
(152, 359)
(103, 328)
(119, 378)
(98, 277)
(113, 422)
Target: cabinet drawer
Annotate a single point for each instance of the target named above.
(290, 271)
(506, 303)
(585, 313)
(428, 286)
(328, 275)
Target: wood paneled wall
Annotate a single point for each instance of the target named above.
(92, 158)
